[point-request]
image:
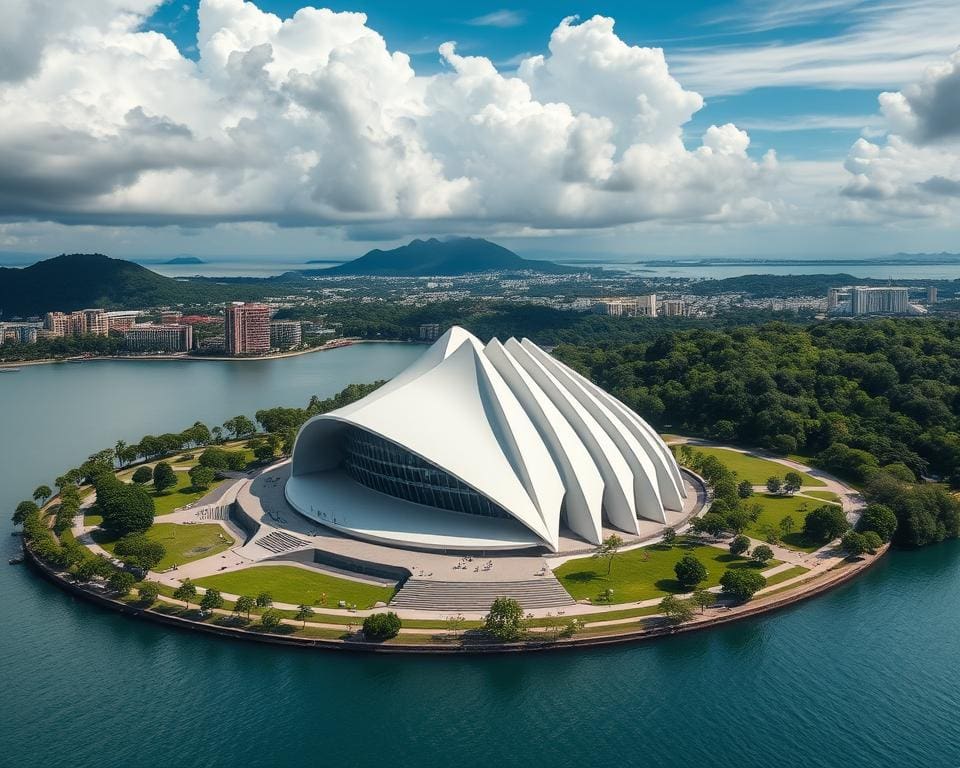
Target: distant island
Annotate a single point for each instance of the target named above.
(185, 260)
(442, 258)
(931, 259)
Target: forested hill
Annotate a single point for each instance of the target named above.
(458, 256)
(79, 280)
(876, 402)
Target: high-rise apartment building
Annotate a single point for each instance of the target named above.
(285, 334)
(429, 331)
(869, 300)
(639, 306)
(673, 308)
(246, 329)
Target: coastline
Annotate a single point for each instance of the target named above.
(723, 616)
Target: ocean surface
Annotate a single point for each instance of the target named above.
(865, 676)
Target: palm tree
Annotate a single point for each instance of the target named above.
(119, 450)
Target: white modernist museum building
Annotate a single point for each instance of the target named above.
(483, 447)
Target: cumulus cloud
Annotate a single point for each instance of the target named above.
(914, 172)
(312, 120)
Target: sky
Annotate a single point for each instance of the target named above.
(231, 129)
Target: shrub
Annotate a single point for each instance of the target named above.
(745, 489)
(143, 475)
(381, 626)
(164, 477)
(121, 582)
(505, 620)
(148, 592)
(762, 554)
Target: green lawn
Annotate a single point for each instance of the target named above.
(184, 543)
(776, 508)
(287, 584)
(790, 573)
(645, 573)
(171, 500)
(825, 495)
(751, 468)
(93, 519)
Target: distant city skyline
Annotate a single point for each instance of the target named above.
(222, 128)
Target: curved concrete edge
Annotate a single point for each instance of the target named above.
(748, 610)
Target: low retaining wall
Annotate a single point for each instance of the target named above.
(760, 606)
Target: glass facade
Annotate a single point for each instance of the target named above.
(393, 470)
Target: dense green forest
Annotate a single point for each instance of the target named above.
(875, 402)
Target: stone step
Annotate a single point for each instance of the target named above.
(426, 594)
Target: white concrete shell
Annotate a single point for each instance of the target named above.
(505, 423)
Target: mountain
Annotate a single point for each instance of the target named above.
(457, 256)
(79, 280)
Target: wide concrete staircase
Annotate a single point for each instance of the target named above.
(427, 594)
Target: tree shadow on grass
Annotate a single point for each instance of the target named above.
(670, 585)
(798, 539)
(583, 577)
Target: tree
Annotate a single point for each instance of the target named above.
(872, 541)
(164, 477)
(703, 598)
(270, 619)
(142, 475)
(186, 592)
(739, 519)
(304, 612)
(125, 508)
(774, 485)
(240, 426)
(825, 523)
(23, 511)
(711, 524)
(741, 583)
(792, 482)
(455, 624)
(787, 525)
(853, 543)
(739, 545)
(879, 518)
(245, 604)
(201, 477)
(690, 571)
(381, 626)
(92, 567)
(745, 489)
(669, 536)
(120, 452)
(505, 620)
(121, 582)
(211, 599)
(676, 611)
(41, 494)
(762, 554)
(148, 592)
(608, 550)
(264, 600)
(216, 435)
(139, 551)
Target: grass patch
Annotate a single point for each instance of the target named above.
(184, 543)
(93, 519)
(645, 573)
(752, 468)
(825, 495)
(288, 584)
(775, 509)
(184, 493)
(790, 573)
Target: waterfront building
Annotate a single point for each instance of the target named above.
(285, 334)
(211, 345)
(83, 321)
(57, 323)
(158, 338)
(94, 322)
(19, 333)
(246, 329)
(122, 320)
(429, 331)
(483, 447)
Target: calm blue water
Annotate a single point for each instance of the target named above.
(865, 676)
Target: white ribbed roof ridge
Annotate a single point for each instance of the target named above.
(515, 425)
